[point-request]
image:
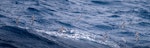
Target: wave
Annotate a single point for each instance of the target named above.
(15, 37)
(85, 23)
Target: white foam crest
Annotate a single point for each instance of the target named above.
(77, 35)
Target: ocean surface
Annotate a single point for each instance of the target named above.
(74, 23)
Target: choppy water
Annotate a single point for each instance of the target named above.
(75, 24)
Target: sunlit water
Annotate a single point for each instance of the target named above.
(75, 23)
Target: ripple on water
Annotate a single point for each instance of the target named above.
(101, 2)
(104, 27)
(7, 45)
(145, 24)
(65, 24)
(32, 10)
(126, 33)
(114, 16)
(144, 14)
(23, 38)
(2, 16)
(141, 47)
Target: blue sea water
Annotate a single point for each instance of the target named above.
(74, 23)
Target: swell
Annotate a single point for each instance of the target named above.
(22, 38)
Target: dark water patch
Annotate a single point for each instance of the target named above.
(32, 10)
(17, 31)
(65, 24)
(2, 16)
(43, 21)
(145, 24)
(54, 37)
(17, 2)
(45, 4)
(22, 36)
(140, 47)
(127, 33)
(6, 45)
(114, 16)
(144, 14)
(143, 41)
(136, 45)
(130, 44)
(143, 35)
(120, 12)
(101, 2)
(51, 10)
(6, 40)
(125, 12)
(76, 12)
(65, 2)
(48, 9)
(104, 27)
(23, 2)
(22, 32)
